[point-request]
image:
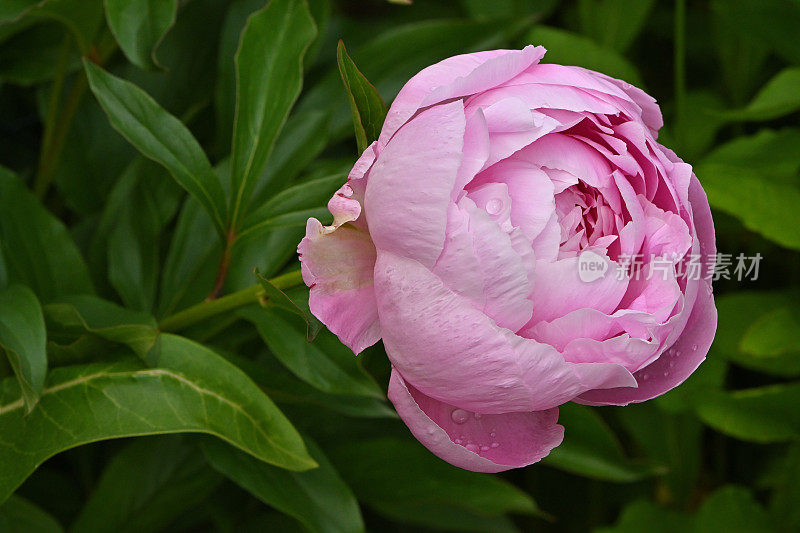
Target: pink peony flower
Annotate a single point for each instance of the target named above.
(490, 237)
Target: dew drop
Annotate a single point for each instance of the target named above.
(458, 441)
(494, 206)
(459, 416)
(694, 347)
(495, 444)
(493, 434)
(485, 448)
(472, 447)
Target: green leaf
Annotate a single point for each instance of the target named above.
(739, 313)
(614, 23)
(300, 142)
(236, 17)
(191, 264)
(139, 26)
(326, 363)
(33, 55)
(567, 48)
(366, 105)
(778, 97)
(146, 486)
(318, 498)
(762, 203)
(671, 439)
(769, 152)
(406, 482)
(774, 334)
(644, 515)
(138, 208)
(591, 449)
(763, 414)
(83, 18)
(278, 298)
(293, 206)
(395, 55)
(769, 23)
(269, 76)
(37, 248)
(285, 388)
(89, 314)
(161, 137)
(18, 515)
(24, 339)
(189, 389)
(730, 509)
(785, 484)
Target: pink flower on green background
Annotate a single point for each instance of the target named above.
(459, 240)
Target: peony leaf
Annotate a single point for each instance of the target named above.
(190, 389)
(591, 449)
(139, 26)
(366, 105)
(763, 414)
(269, 76)
(387, 478)
(38, 250)
(18, 515)
(146, 486)
(293, 206)
(161, 137)
(326, 363)
(318, 498)
(778, 97)
(89, 314)
(24, 340)
(741, 315)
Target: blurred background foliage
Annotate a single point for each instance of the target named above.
(81, 212)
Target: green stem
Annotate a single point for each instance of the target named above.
(680, 59)
(210, 308)
(51, 118)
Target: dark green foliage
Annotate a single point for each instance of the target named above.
(158, 161)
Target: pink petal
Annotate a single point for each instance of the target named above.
(673, 366)
(558, 290)
(337, 264)
(455, 353)
(411, 182)
(481, 443)
(456, 77)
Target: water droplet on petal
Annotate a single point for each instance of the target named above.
(493, 434)
(472, 447)
(458, 441)
(495, 444)
(459, 416)
(494, 206)
(694, 347)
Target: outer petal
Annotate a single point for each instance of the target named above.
(455, 77)
(673, 366)
(481, 443)
(411, 182)
(337, 265)
(455, 353)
